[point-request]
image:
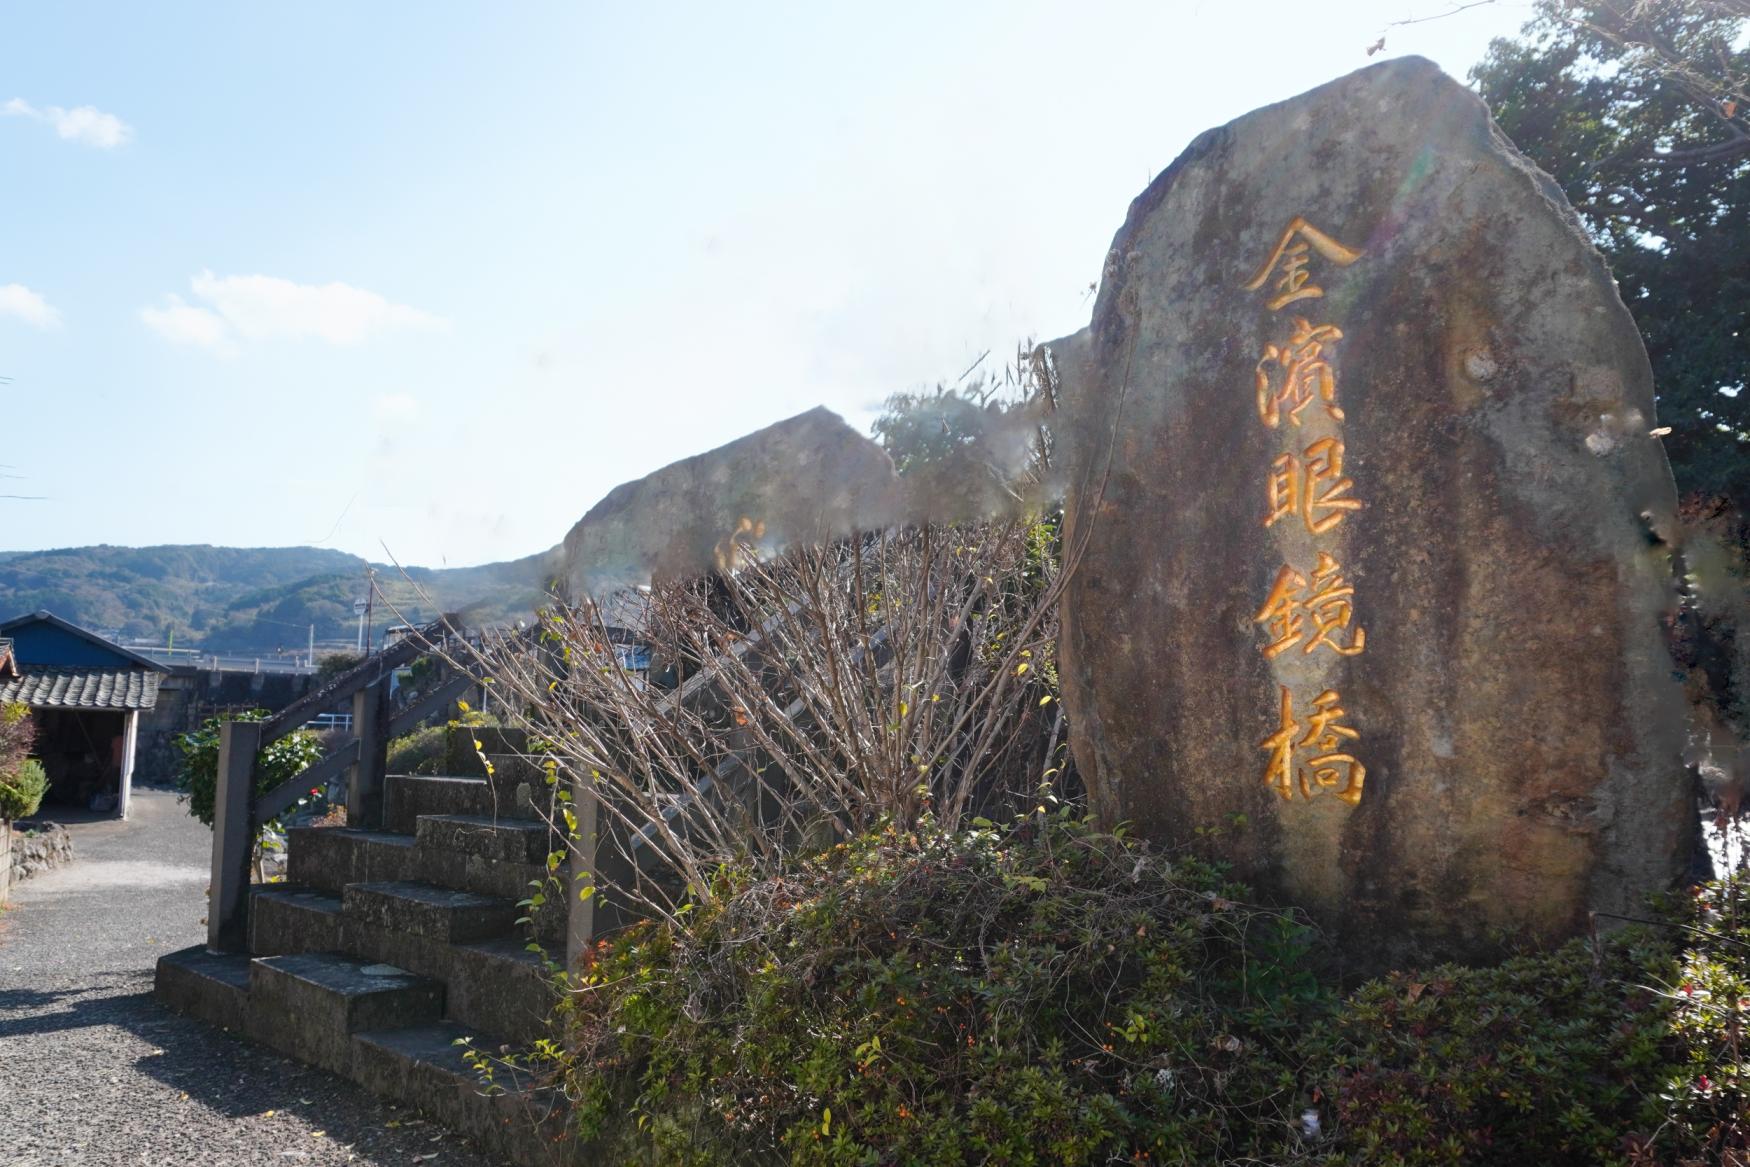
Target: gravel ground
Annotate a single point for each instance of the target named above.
(93, 1072)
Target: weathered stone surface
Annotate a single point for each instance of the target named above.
(1501, 657)
(211, 986)
(494, 984)
(407, 796)
(811, 478)
(424, 1066)
(329, 858)
(309, 1004)
(38, 847)
(424, 909)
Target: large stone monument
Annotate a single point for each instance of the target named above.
(1376, 577)
(808, 479)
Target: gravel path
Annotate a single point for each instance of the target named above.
(93, 1073)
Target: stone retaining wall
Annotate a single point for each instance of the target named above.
(27, 850)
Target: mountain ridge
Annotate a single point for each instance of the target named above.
(251, 599)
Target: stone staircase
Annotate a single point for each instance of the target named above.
(384, 949)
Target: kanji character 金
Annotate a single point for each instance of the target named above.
(1288, 263)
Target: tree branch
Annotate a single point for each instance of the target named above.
(1717, 152)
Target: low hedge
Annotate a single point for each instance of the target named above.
(21, 792)
(1052, 995)
(427, 750)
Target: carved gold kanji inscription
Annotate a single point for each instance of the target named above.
(1287, 264)
(1315, 609)
(1311, 614)
(1291, 377)
(1310, 486)
(1324, 738)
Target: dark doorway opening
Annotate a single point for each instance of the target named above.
(82, 751)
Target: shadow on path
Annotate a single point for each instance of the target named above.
(113, 1077)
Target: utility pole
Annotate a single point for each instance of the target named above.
(310, 655)
(370, 602)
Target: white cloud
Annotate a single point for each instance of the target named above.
(85, 124)
(237, 308)
(30, 307)
(186, 324)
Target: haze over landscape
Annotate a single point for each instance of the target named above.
(371, 286)
(249, 601)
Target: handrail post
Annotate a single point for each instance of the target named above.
(364, 788)
(233, 837)
(580, 914)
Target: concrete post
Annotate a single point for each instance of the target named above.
(580, 916)
(364, 788)
(233, 837)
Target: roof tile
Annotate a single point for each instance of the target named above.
(43, 687)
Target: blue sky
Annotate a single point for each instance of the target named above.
(438, 276)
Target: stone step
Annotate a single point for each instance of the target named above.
(373, 1024)
(496, 984)
(482, 876)
(430, 911)
(408, 796)
(286, 917)
(213, 986)
(515, 774)
(332, 857)
(502, 987)
(503, 840)
(468, 750)
(426, 1066)
(309, 1004)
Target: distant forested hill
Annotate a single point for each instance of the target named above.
(242, 600)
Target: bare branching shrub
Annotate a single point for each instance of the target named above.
(784, 704)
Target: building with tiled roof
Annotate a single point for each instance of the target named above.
(86, 696)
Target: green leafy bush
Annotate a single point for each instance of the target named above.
(1054, 996)
(420, 752)
(1046, 996)
(22, 792)
(427, 750)
(277, 762)
(1624, 1051)
(334, 664)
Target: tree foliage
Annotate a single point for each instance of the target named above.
(980, 449)
(1639, 110)
(17, 734)
(22, 781)
(957, 448)
(277, 762)
(248, 600)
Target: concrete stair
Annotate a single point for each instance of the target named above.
(387, 954)
(309, 1004)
